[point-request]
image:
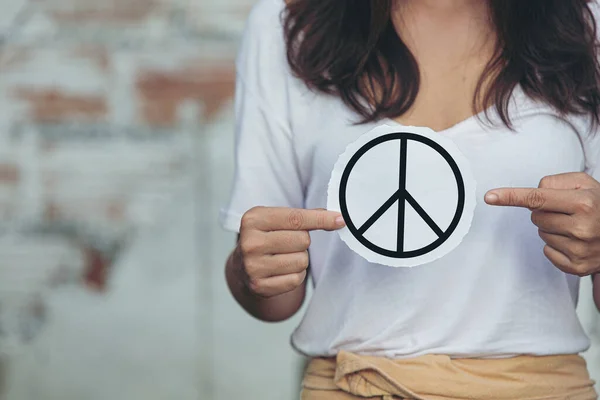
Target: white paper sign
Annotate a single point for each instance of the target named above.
(407, 195)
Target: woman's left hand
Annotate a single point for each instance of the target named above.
(566, 209)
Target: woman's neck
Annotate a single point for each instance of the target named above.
(445, 9)
(448, 29)
(452, 41)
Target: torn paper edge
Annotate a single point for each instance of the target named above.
(463, 226)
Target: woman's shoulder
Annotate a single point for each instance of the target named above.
(266, 16)
(263, 39)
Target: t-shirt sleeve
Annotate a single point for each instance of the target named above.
(591, 147)
(591, 139)
(266, 171)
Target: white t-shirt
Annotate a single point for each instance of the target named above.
(495, 295)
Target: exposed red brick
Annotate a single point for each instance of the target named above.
(96, 270)
(55, 105)
(113, 11)
(162, 92)
(98, 55)
(112, 210)
(9, 174)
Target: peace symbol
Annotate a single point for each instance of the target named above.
(402, 196)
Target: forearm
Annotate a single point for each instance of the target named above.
(596, 279)
(274, 309)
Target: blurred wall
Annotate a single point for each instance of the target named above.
(115, 152)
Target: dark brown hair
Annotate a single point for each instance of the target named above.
(350, 48)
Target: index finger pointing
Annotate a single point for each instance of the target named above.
(553, 200)
(293, 219)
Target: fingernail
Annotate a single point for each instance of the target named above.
(491, 198)
(340, 221)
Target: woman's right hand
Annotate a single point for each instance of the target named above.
(273, 247)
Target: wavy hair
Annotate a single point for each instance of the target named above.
(350, 48)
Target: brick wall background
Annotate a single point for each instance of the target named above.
(102, 105)
(115, 151)
(115, 154)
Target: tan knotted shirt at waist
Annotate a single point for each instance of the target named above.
(437, 377)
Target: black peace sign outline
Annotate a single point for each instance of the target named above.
(402, 196)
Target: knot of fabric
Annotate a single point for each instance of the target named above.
(437, 377)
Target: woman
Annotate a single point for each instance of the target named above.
(516, 86)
